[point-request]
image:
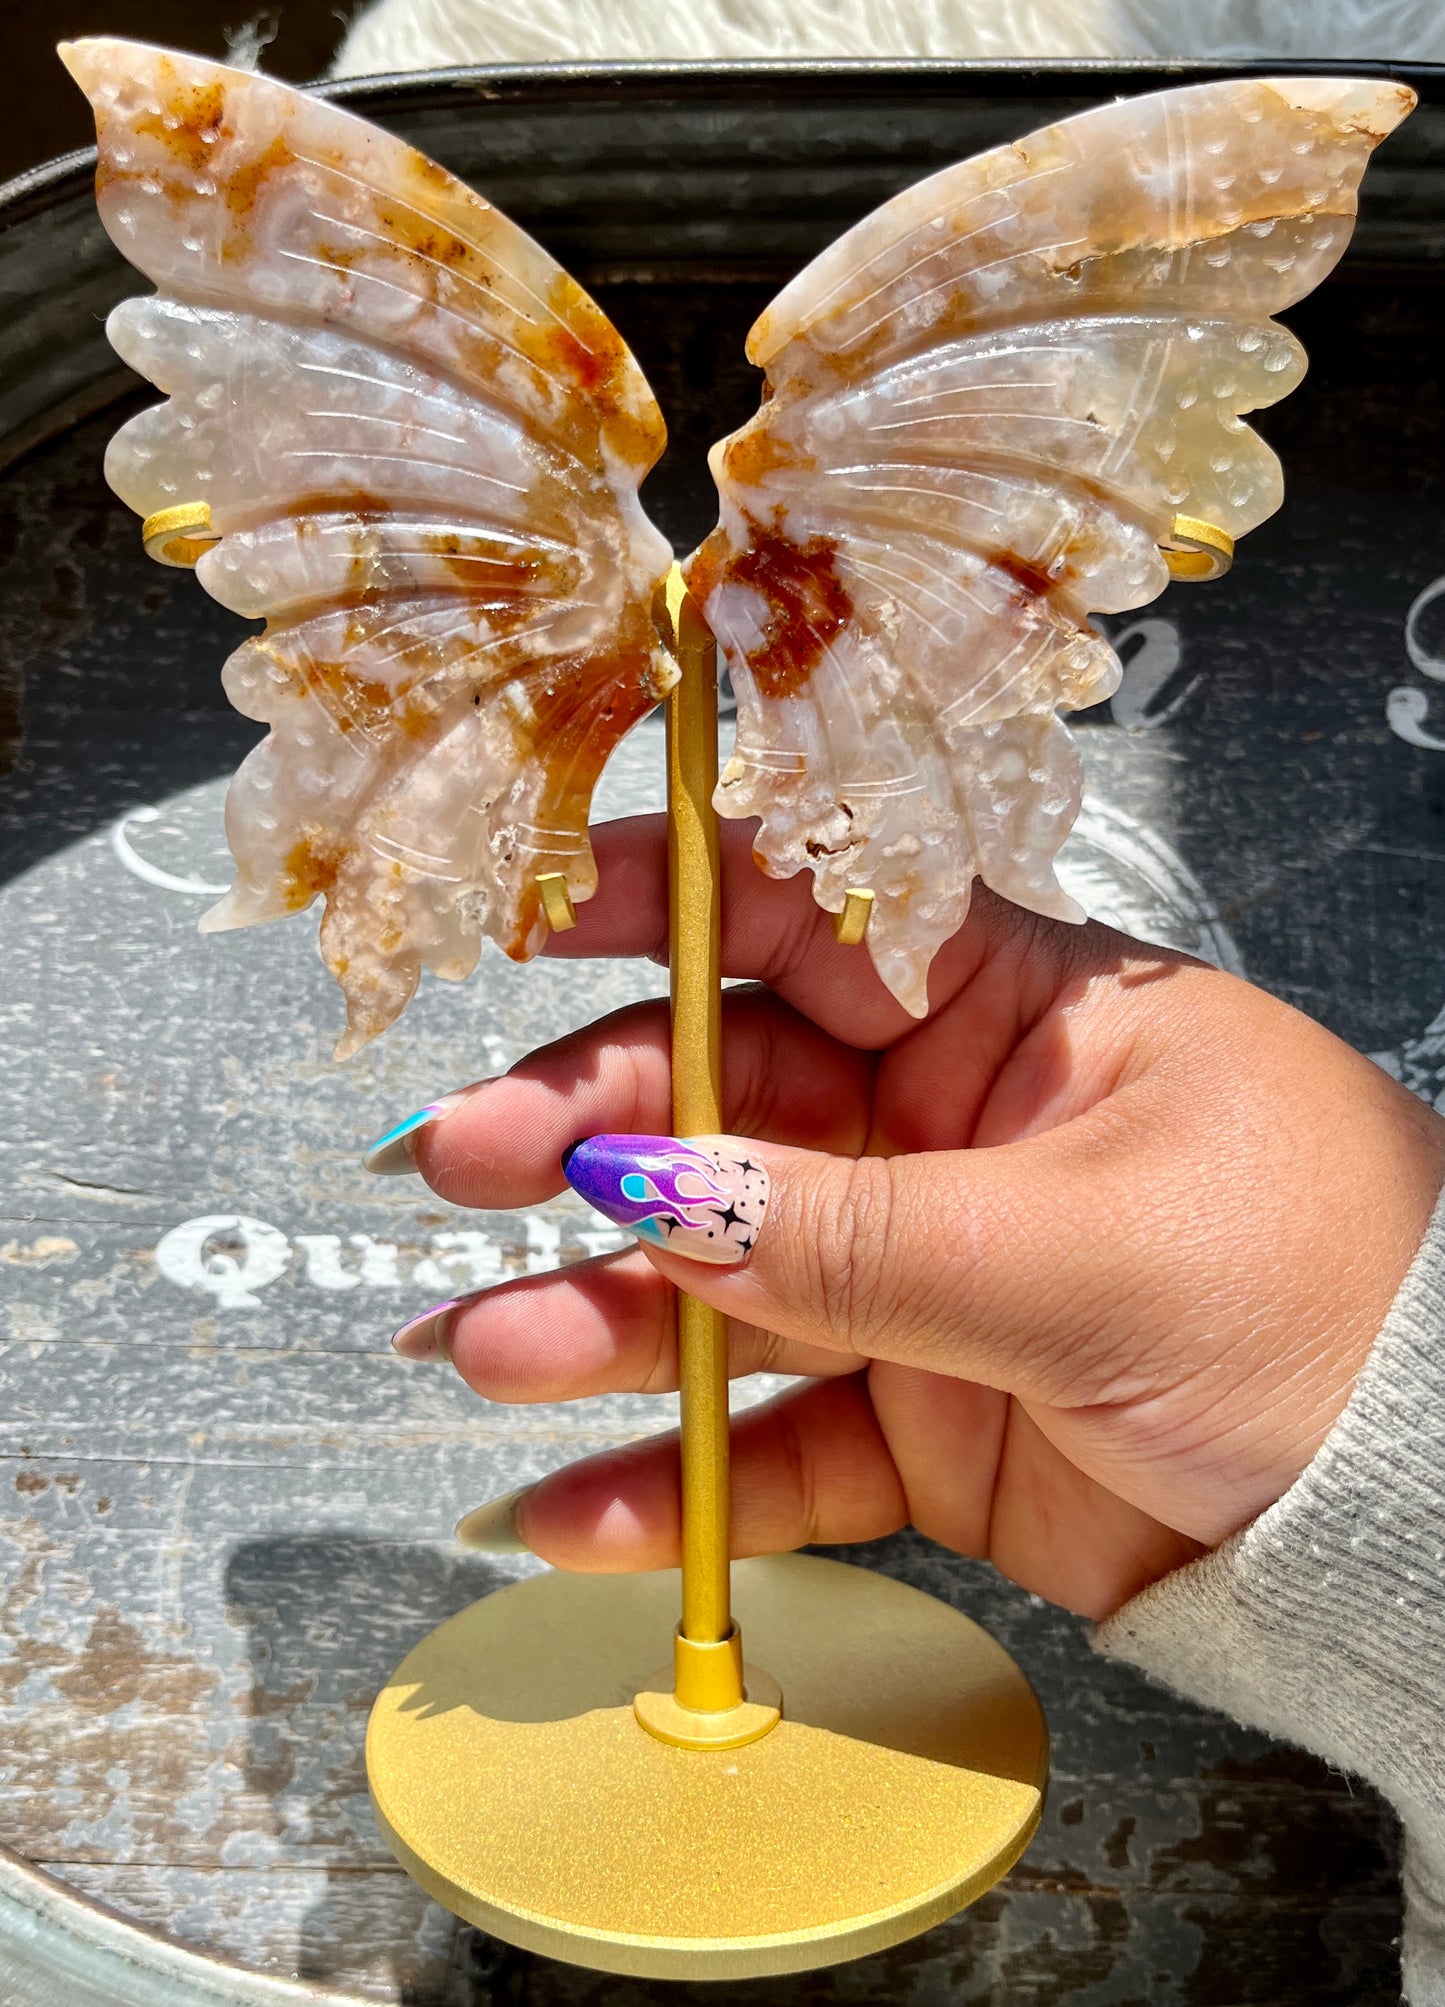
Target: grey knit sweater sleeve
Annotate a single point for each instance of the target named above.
(1324, 1621)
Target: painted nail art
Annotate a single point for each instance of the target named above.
(704, 1199)
(391, 1155)
(394, 1153)
(492, 1528)
(425, 1335)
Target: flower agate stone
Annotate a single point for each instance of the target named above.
(421, 445)
(984, 407)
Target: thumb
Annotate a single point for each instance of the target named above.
(987, 1263)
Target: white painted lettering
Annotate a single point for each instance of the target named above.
(544, 1243)
(1424, 658)
(322, 1252)
(464, 1261)
(1150, 651)
(227, 1255)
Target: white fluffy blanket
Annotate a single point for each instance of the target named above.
(425, 34)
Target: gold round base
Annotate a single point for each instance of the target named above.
(513, 1781)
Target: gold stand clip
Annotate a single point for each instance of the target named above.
(178, 537)
(852, 923)
(1196, 550)
(556, 901)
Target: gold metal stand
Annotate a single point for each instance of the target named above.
(531, 1771)
(714, 1703)
(707, 1679)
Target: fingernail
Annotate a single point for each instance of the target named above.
(492, 1529)
(704, 1199)
(425, 1335)
(391, 1155)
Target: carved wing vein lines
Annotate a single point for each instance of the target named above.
(999, 461)
(457, 374)
(945, 285)
(957, 539)
(360, 376)
(1142, 401)
(1003, 670)
(975, 698)
(1020, 659)
(887, 488)
(589, 711)
(946, 417)
(879, 574)
(444, 309)
(1029, 645)
(533, 630)
(934, 250)
(975, 390)
(1179, 154)
(385, 418)
(433, 222)
(401, 460)
(1008, 213)
(479, 527)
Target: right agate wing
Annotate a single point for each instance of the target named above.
(985, 407)
(420, 443)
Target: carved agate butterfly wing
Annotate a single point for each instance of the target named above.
(986, 406)
(420, 445)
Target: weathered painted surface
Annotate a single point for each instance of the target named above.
(222, 1521)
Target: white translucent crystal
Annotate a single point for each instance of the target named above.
(985, 406)
(421, 445)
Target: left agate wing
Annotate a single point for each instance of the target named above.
(420, 444)
(986, 406)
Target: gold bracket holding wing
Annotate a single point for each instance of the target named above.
(179, 536)
(1197, 551)
(851, 925)
(556, 901)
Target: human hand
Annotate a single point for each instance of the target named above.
(1080, 1270)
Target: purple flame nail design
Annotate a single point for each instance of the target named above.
(692, 1198)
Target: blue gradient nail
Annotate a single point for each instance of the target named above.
(389, 1156)
(703, 1199)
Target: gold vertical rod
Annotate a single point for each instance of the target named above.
(694, 918)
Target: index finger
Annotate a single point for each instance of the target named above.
(772, 931)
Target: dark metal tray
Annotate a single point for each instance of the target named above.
(230, 1503)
